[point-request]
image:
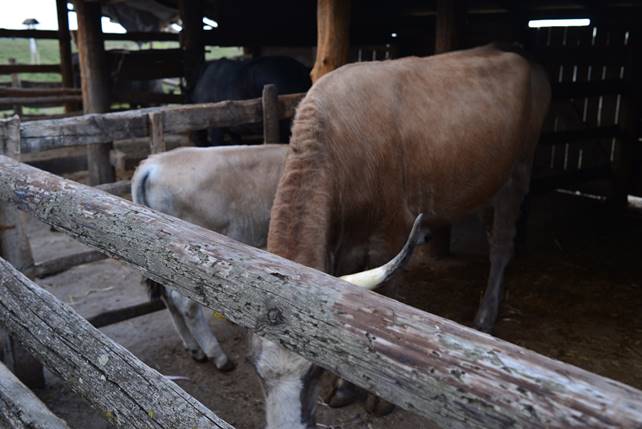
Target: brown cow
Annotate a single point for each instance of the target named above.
(374, 144)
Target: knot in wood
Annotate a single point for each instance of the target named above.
(274, 316)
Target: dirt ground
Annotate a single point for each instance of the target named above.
(574, 294)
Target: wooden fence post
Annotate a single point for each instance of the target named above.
(15, 83)
(15, 248)
(64, 45)
(333, 36)
(95, 90)
(270, 114)
(157, 137)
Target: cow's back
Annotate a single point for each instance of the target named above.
(437, 134)
(374, 144)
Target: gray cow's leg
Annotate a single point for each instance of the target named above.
(506, 212)
(197, 324)
(189, 342)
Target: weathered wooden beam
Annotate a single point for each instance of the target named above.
(120, 315)
(270, 102)
(134, 36)
(21, 409)
(64, 46)
(333, 36)
(157, 138)
(15, 248)
(95, 84)
(127, 392)
(458, 377)
(95, 129)
(55, 100)
(191, 39)
(63, 263)
(29, 68)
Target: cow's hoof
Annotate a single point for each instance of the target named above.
(342, 394)
(228, 366)
(198, 355)
(378, 407)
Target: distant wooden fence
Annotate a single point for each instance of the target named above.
(456, 376)
(593, 130)
(131, 65)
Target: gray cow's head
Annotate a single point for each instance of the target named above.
(290, 382)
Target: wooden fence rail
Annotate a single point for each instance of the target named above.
(20, 408)
(125, 390)
(100, 128)
(452, 374)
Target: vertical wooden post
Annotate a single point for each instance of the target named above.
(15, 83)
(270, 114)
(157, 136)
(64, 45)
(95, 84)
(450, 14)
(191, 14)
(15, 248)
(333, 36)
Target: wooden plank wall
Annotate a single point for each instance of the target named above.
(582, 131)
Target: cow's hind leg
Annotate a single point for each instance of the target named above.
(196, 321)
(189, 342)
(506, 211)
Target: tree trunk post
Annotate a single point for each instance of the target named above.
(15, 248)
(333, 36)
(95, 84)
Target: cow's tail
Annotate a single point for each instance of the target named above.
(301, 220)
(139, 195)
(139, 183)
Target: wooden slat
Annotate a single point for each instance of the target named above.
(127, 392)
(54, 100)
(29, 68)
(122, 314)
(458, 377)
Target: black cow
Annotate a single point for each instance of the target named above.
(244, 79)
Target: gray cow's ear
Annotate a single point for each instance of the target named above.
(370, 279)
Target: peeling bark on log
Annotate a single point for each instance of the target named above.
(21, 409)
(452, 374)
(100, 128)
(125, 390)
